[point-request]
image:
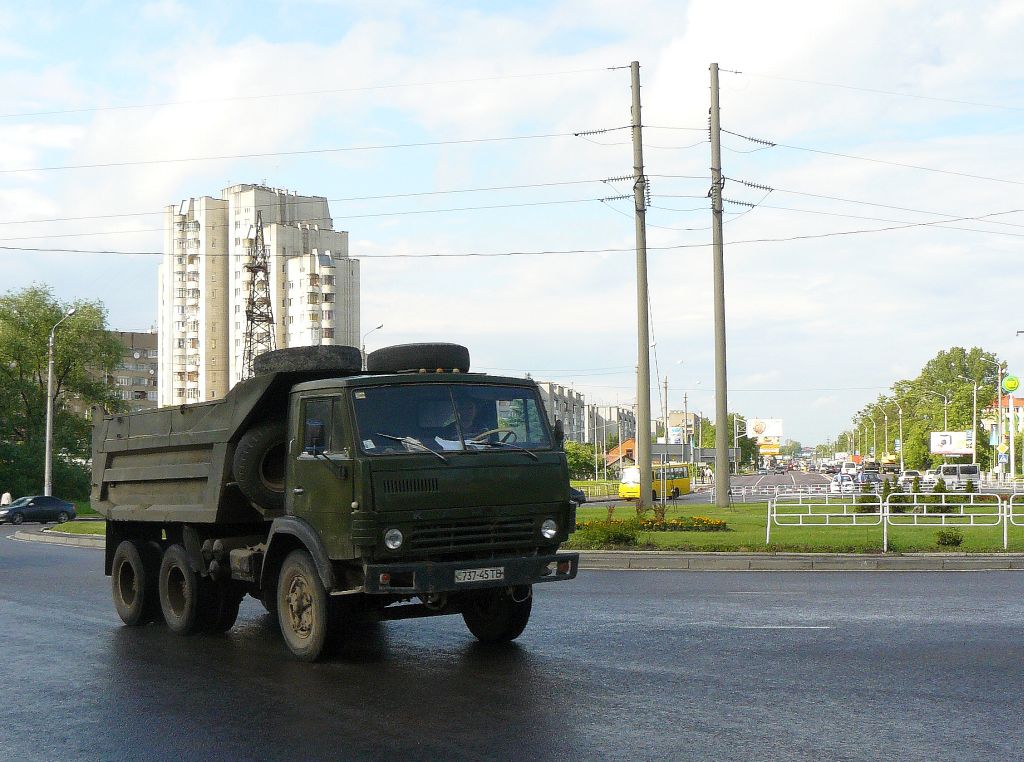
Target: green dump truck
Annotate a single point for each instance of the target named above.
(332, 493)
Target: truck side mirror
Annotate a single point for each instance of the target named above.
(559, 434)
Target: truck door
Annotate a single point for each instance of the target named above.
(321, 471)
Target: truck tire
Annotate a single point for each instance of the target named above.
(327, 358)
(183, 594)
(414, 357)
(496, 616)
(302, 606)
(222, 607)
(260, 462)
(133, 581)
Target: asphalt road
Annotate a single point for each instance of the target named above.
(616, 665)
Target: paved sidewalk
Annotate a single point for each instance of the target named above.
(646, 560)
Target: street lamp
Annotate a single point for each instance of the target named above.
(999, 402)
(945, 407)
(974, 419)
(362, 344)
(48, 467)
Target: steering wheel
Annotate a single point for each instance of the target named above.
(509, 435)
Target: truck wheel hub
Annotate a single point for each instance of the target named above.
(300, 607)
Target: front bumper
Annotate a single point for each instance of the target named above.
(429, 577)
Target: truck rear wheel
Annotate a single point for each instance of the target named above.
(259, 464)
(182, 593)
(133, 579)
(499, 616)
(302, 606)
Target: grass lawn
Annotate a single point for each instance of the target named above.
(747, 524)
(81, 527)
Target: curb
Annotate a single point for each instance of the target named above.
(626, 560)
(61, 538)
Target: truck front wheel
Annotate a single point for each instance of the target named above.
(499, 616)
(182, 591)
(302, 609)
(133, 579)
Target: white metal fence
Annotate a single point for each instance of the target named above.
(900, 509)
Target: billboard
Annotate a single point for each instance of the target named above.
(768, 445)
(675, 435)
(952, 442)
(762, 428)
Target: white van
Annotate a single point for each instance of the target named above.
(956, 475)
(849, 467)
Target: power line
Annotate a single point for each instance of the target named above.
(551, 252)
(303, 152)
(879, 161)
(878, 91)
(299, 93)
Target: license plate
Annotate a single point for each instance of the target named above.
(492, 574)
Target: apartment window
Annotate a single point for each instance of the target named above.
(291, 319)
(329, 298)
(180, 391)
(328, 314)
(193, 343)
(212, 394)
(238, 241)
(151, 396)
(237, 224)
(181, 260)
(213, 326)
(152, 353)
(193, 394)
(238, 292)
(123, 381)
(328, 280)
(180, 309)
(213, 343)
(314, 334)
(328, 333)
(213, 361)
(238, 274)
(238, 308)
(314, 317)
(213, 293)
(181, 293)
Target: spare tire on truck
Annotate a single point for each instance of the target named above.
(327, 358)
(403, 358)
(260, 462)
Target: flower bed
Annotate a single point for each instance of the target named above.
(682, 524)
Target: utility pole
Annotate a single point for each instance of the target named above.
(721, 399)
(687, 439)
(643, 340)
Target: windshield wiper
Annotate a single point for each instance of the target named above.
(413, 442)
(499, 443)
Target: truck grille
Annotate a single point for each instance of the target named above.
(472, 533)
(407, 486)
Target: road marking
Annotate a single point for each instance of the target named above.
(761, 592)
(760, 479)
(779, 626)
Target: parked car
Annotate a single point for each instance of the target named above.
(929, 477)
(956, 475)
(906, 479)
(41, 508)
(842, 483)
(577, 496)
(849, 467)
(762, 471)
(871, 478)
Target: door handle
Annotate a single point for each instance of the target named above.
(299, 491)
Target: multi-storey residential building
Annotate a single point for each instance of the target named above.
(204, 284)
(135, 379)
(565, 404)
(603, 420)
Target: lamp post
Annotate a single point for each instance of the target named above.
(48, 466)
(974, 419)
(735, 437)
(903, 444)
(999, 402)
(362, 344)
(874, 437)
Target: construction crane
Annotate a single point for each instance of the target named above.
(259, 310)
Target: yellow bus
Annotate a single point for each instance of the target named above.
(676, 482)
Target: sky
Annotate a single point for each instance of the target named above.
(449, 128)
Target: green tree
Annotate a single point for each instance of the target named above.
(85, 354)
(791, 448)
(580, 457)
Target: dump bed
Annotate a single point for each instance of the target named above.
(174, 463)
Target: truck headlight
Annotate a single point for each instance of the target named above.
(393, 539)
(549, 529)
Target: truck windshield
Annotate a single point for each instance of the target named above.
(440, 417)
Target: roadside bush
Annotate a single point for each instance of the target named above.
(603, 535)
(915, 486)
(970, 488)
(866, 498)
(949, 538)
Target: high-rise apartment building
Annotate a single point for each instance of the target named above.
(204, 286)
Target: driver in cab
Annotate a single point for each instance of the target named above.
(466, 416)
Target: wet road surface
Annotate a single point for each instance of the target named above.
(616, 665)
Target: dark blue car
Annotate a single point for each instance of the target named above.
(41, 508)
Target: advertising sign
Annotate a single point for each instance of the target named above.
(675, 435)
(768, 449)
(761, 428)
(952, 442)
(1011, 384)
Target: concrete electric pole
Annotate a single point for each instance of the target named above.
(721, 392)
(643, 341)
